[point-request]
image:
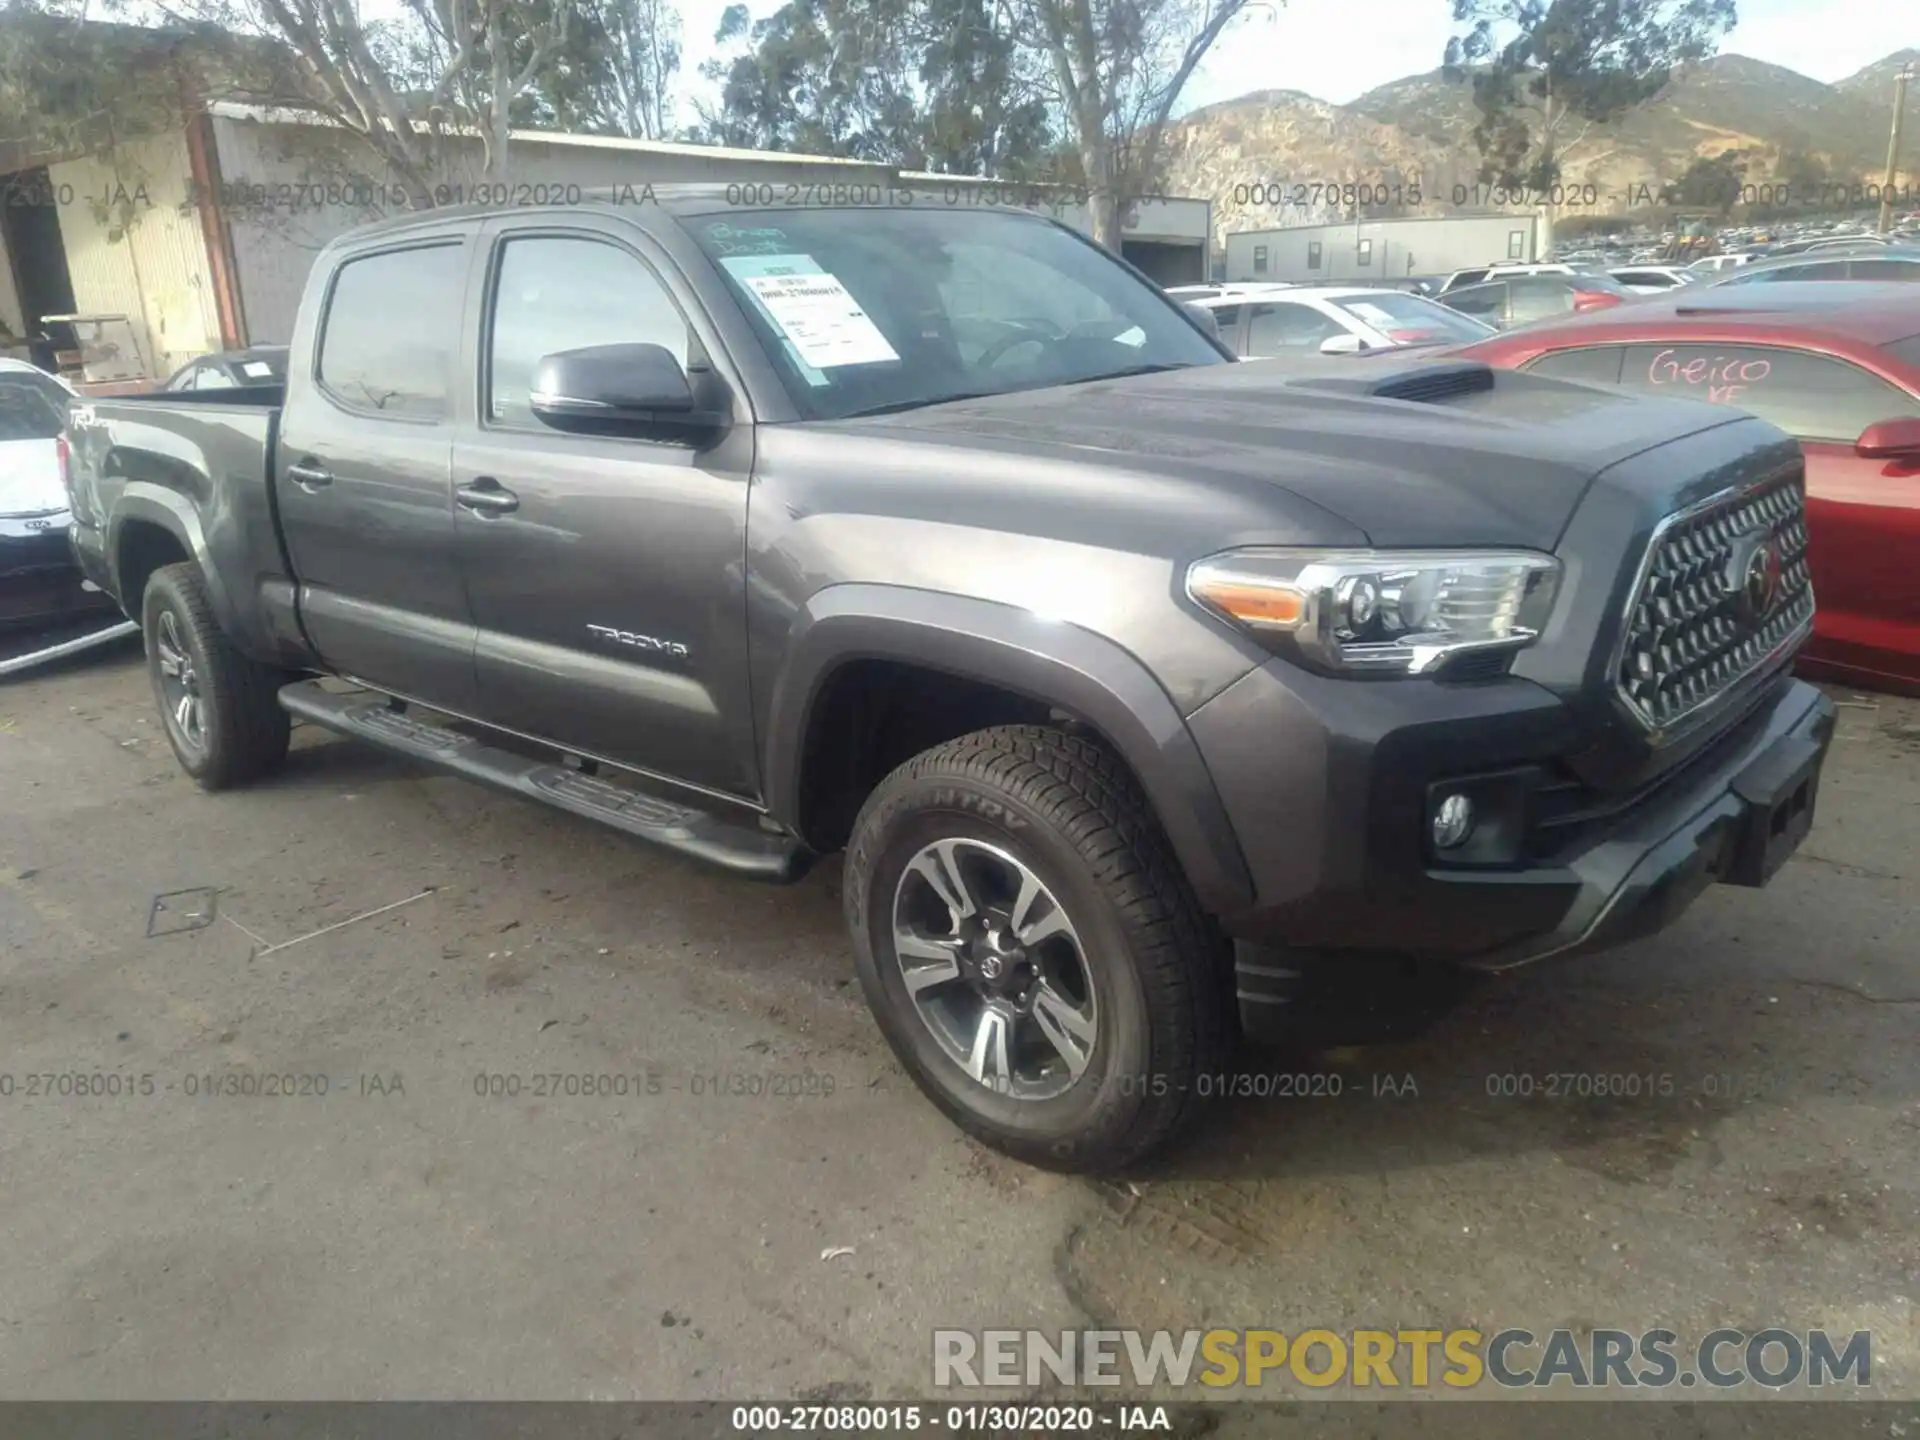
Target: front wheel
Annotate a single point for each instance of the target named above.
(1031, 949)
(222, 710)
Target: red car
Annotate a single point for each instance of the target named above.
(1836, 364)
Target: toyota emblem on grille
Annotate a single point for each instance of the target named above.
(1757, 578)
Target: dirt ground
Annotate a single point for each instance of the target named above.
(409, 1234)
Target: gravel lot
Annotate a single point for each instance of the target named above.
(404, 1235)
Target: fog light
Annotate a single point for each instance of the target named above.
(1452, 822)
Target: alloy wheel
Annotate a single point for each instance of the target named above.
(185, 706)
(995, 968)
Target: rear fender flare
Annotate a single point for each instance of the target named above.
(149, 504)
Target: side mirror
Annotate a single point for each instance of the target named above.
(1342, 345)
(1203, 317)
(1890, 440)
(614, 388)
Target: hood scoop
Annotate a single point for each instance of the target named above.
(1425, 382)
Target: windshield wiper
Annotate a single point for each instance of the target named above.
(895, 407)
(1131, 371)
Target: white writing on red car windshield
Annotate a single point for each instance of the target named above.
(1722, 377)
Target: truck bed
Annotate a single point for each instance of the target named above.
(198, 462)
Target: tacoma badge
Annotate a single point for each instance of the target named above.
(638, 641)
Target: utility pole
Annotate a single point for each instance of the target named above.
(1893, 147)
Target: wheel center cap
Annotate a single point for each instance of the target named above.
(997, 957)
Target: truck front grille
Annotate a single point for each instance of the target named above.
(1724, 587)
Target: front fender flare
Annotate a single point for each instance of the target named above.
(1057, 664)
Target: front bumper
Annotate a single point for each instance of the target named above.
(1328, 784)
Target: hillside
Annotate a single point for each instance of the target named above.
(1875, 83)
(1418, 131)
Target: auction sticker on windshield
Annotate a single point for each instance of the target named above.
(813, 312)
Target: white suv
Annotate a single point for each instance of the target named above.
(1263, 322)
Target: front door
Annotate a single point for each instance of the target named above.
(361, 478)
(607, 574)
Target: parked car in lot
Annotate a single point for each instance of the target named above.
(1334, 320)
(232, 369)
(1651, 279)
(1711, 265)
(40, 584)
(1884, 263)
(1138, 685)
(1838, 367)
(1523, 299)
(1513, 269)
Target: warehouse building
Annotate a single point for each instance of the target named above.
(1359, 251)
(202, 239)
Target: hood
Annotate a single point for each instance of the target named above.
(1424, 452)
(30, 481)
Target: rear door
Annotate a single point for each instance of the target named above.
(608, 574)
(1863, 516)
(361, 474)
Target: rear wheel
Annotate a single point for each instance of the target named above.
(222, 711)
(1031, 949)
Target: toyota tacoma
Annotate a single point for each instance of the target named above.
(1135, 683)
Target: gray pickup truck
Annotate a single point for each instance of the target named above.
(1139, 686)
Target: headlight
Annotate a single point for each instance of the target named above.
(1381, 612)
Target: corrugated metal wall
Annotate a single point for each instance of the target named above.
(134, 248)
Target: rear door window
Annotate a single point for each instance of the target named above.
(392, 327)
(1596, 364)
(1535, 297)
(1483, 302)
(1288, 329)
(1812, 397)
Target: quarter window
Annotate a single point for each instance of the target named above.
(558, 293)
(1596, 364)
(392, 325)
(1812, 397)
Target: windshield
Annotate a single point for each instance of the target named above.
(31, 408)
(1409, 320)
(1907, 350)
(872, 310)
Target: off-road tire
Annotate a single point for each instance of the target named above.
(246, 731)
(1074, 814)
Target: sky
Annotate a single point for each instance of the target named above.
(1339, 49)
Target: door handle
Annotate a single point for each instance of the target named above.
(487, 496)
(309, 475)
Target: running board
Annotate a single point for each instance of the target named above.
(740, 847)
